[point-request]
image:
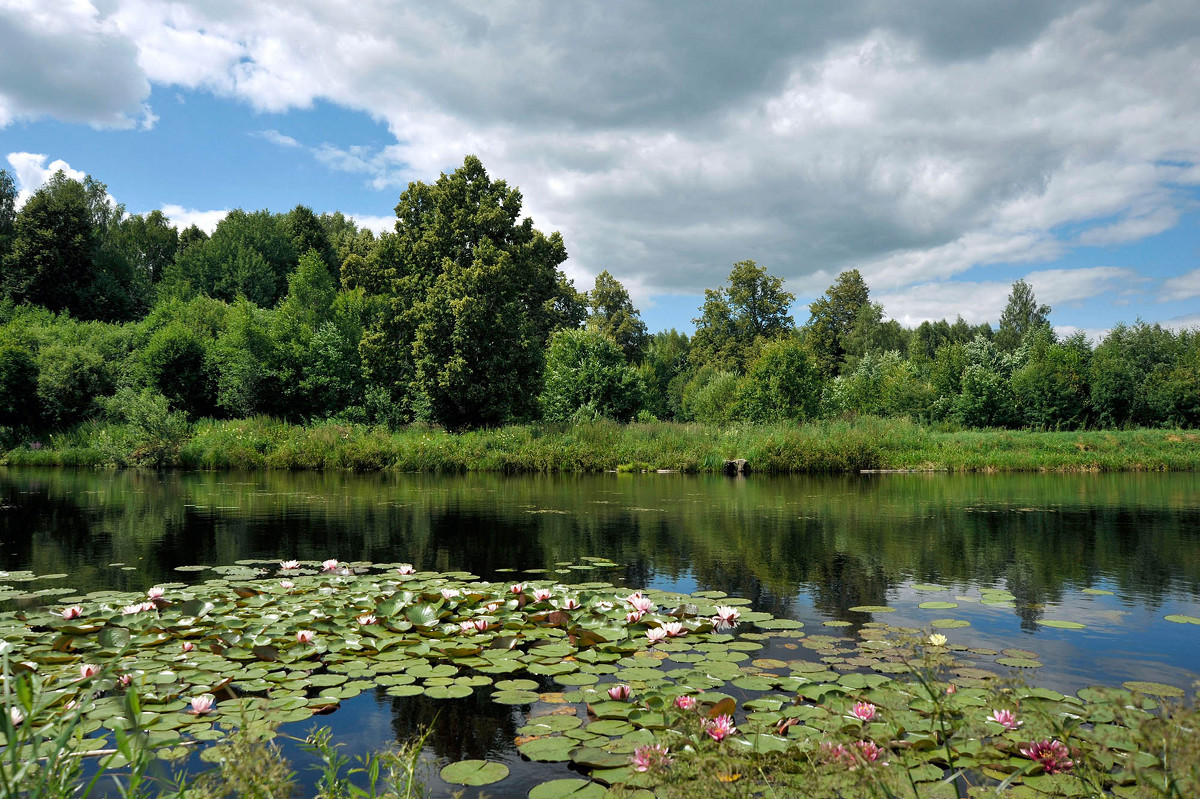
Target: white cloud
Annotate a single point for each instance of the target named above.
(31, 171)
(916, 143)
(276, 138)
(186, 217)
(1186, 322)
(376, 224)
(1181, 287)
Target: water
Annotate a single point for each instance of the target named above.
(798, 547)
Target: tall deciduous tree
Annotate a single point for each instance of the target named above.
(735, 318)
(1022, 316)
(469, 289)
(832, 320)
(8, 212)
(613, 315)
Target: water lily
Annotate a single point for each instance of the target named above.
(685, 702)
(492, 607)
(137, 607)
(366, 618)
(88, 670)
(869, 750)
(1052, 754)
(289, 565)
(305, 636)
(16, 716)
(863, 711)
(517, 588)
(951, 689)
(937, 639)
(188, 646)
(481, 624)
(449, 593)
(202, 704)
(619, 692)
(329, 565)
(656, 634)
(642, 604)
(728, 614)
(125, 679)
(542, 594)
(466, 626)
(405, 569)
(157, 592)
(1006, 719)
(603, 606)
(73, 612)
(674, 628)
(650, 756)
(286, 585)
(720, 728)
(570, 603)
(633, 616)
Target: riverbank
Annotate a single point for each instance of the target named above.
(817, 448)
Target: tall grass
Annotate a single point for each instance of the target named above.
(822, 447)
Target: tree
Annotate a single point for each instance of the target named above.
(468, 290)
(832, 318)
(8, 212)
(1052, 386)
(782, 384)
(664, 371)
(18, 385)
(176, 364)
(1022, 315)
(613, 315)
(586, 371)
(736, 318)
(308, 233)
(248, 254)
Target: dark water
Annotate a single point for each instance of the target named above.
(805, 548)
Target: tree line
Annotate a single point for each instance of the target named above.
(461, 317)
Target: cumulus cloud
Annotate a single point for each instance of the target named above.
(1181, 287)
(917, 141)
(186, 217)
(983, 301)
(31, 171)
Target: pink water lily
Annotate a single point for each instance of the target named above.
(449, 593)
(202, 704)
(125, 679)
(289, 565)
(685, 702)
(1052, 754)
(619, 692)
(482, 624)
(656, 634)
(720, 728)
(73, 612)
(863, 711)
(188, 646)
(642, 604)
(492, 607)
(1006, 719)
(286, 585)
(728, 614)
(466, 626)
(405, 569)
(157, 592)
(87, 670)
(650, 757)
(869, 750)
(674, 628)
(329, 565)
(570, 603)
(366, 619)
(305, 636)
(633, 616)
(517, 588)
(542, 594)
(137, 607)
(951, 689)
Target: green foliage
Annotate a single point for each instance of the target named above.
(248, 254)
(781, 384)
(18, 385)
(244, 354)
(70, 378)
(153, 433)
(1052, 386)
(176, 364)
(664, 371)
(712, 396)
(468, 289)
(881, 384)
(613, 315)
(833, 318)
(987, 398)
(1021, 317)
(1130, 376)
(585, 369)
(736, 318)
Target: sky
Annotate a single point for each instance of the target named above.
(943, 149)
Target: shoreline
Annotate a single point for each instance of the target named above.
(866, 445)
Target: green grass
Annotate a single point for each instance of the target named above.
(824, 447)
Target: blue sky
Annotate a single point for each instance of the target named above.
(944, 149)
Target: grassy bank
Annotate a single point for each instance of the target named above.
(816, 448)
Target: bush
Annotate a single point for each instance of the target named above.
(153, 434)
(783, 383)
(18, 386)
(70, 379)
(586, 371)
(176, 365)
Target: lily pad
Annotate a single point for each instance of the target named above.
(1160, 689)
(551, 749)
(1061, 624)
(1178, 618)
(474, 772)
(568, 788)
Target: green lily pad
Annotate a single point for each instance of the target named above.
(938, 605)
(1181, 619)
(1160, 689)
(474, 772)
(872, 609)
(929, 587)
(949, 624)
(568, 788)
(551, 749)
(1061, 625)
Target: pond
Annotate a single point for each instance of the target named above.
(1083, 570)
